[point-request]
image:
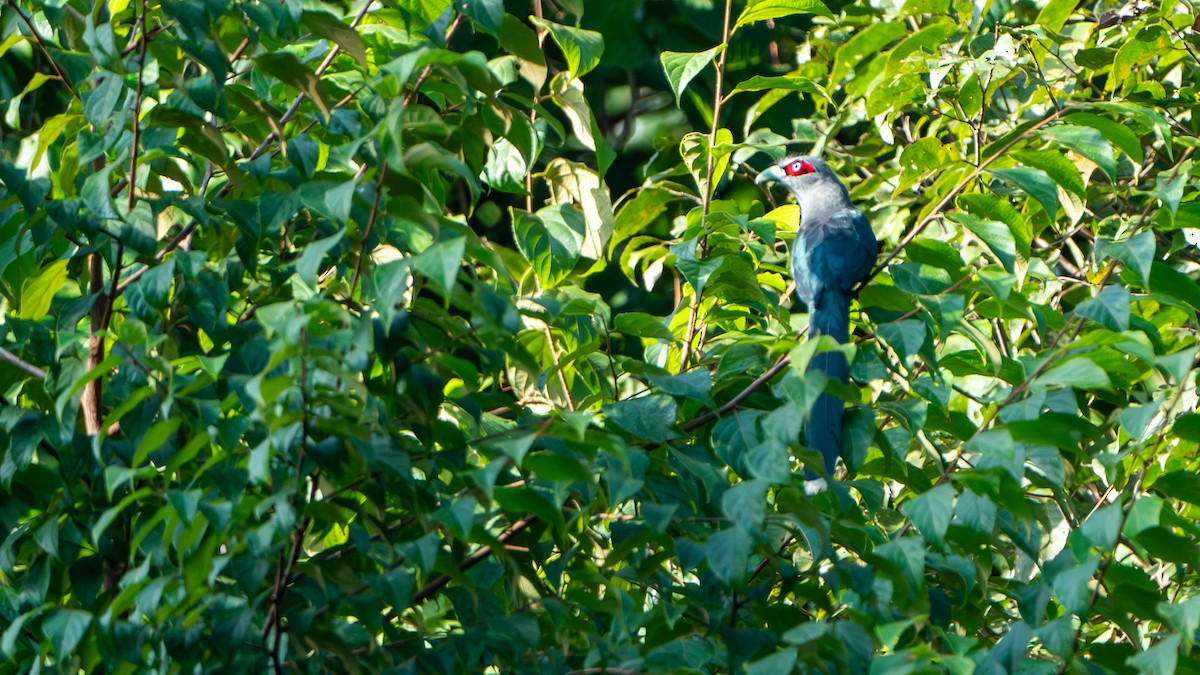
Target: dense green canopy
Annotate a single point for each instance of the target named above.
(420, 336)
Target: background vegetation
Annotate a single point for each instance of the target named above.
(419, 336)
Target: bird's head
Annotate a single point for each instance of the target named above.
(816, 187)
(797, 173)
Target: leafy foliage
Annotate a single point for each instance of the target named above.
(435, 337)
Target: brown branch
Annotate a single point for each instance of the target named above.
(430, 589)
(741, 396)
(92, 391)
(412, 93)
(283, 568)
(362, 253)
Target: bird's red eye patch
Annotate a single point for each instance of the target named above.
(798, 168)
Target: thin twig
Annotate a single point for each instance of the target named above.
(33, 370)
(283, 570)
(412, 93)
(562, 378)
(137, 108)
(946, 201)
(362, 246)
(42, 46)
(430, 589)
(707, 187)
(741, 396)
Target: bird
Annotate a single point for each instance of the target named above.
(835, 248)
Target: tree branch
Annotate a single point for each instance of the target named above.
(742, 395)
(949, 198)
(430, 589)
(6, 355)
(283, 568)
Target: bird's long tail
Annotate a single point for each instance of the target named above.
(823, 432)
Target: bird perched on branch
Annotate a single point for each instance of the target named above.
(834, 250)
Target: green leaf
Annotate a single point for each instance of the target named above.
(930, 512)
(1181, 485)
(1071, 586)
(761, 10)
(521, 41)
(314, 254)
(642, 325)
(1035, 183)
(790, 82)
(1148, 44)
(1136, 419)
(331, 28)
(1166, 280)
(100, 103)
(64, 628)
(681, 67)
(441, 263)
(1054, 15)
(865, 45)
(1183, 616)
(582, 48)
(1161, 659)
(1079, 372)
(1088, 143)
(551, 240)
(1062, 170)
(155, 437)
(970, 96)
(288, 69)
(38, 292)
(728, 554)
(1170, 187)
(1136, 252)
(329, 199)
(649, 417)
(995, 235)
(553, 467)
(906, 337)
(745, 504)
(989, 207)
(689, 652)
(1110, 308)
(1118, 134)
(1102, 526)
(695, 149)
(976, 513)
(908, 554)
(783, 661)
(1187, 427)
(573, 182)
(487, 14)
(769, 461)
(694, 384)
(515, 447)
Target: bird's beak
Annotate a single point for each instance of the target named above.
(772, 174)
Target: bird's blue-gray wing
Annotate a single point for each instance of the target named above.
(842, 250)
